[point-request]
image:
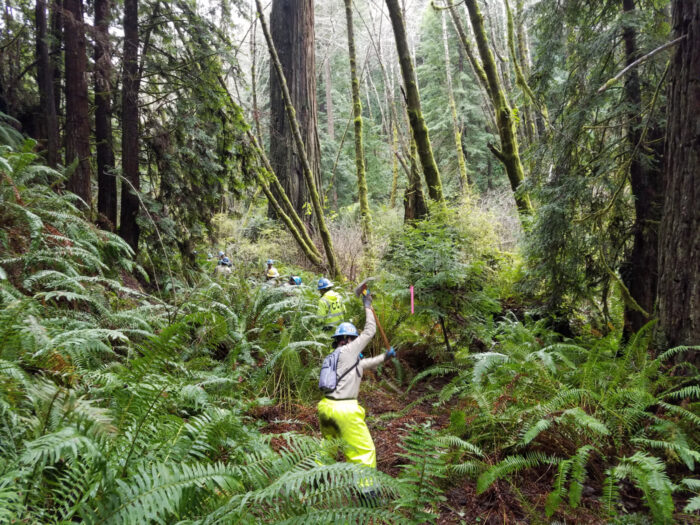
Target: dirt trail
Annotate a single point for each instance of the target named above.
(499, 505)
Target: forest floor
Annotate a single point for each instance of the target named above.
(390, 412)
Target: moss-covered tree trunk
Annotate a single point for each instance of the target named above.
(415, 114)
(301, 151)
(415, 207)
(359, 146)
(461, 164)
(508, 154)
(394, 164)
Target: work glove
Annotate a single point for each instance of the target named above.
(367, 299)
(390, 353)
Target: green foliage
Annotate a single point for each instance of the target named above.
(426, 466)
(533, 400)
(451, 270)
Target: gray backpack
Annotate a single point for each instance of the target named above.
(328, 378)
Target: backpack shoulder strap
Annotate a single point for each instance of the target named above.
(353, 367)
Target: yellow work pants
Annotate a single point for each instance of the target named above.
(346, 420)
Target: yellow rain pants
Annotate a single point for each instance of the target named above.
(346, 420)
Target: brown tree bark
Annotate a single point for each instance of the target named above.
(129, 228)
(292, 30)
(44, 75)
(56, 29)
(106, 181)
(679, 234)
(639, 271)
(307, 172)
(77, 136)
(415, 114)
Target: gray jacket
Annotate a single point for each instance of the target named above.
(349, 386)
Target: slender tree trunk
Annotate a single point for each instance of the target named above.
(415, 207)
(679, 247)
(415, 115)
(394, 164)
(106, 180)
(333, 267)
(292, 29)
(77, 136)
(254, 80)
(639, 272)
(524, 59)
(508, 154)
(329, 99)
(45, 84)
(461, 164)
(129, 228)
(359, 146)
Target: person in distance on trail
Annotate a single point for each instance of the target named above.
(271, 272)
(339, 413)
(331, 309)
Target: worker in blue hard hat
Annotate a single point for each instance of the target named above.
(295, 280)
(340, 415)
(331, 309)
(271, 272)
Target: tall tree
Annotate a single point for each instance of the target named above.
(461, 164)
(292, 29)
(129, 228)
(413, 106)
(77, 135)
(357, 115)
(508, 154)
(106, 181)
(679, 247)
(639, 271)
(333, 267)
(45, 84)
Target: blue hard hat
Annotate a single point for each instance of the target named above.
(270, 261)
(295, 280)
(221, 253)
(345, 329)
(226, 260)
(324, 283)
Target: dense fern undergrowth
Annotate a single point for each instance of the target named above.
(122, 406)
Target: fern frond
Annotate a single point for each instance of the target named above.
(510, 465)
(155, 494)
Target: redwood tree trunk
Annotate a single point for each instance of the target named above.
(77, 136)
(292, 29)
(639, 271)
(129, 229)
(679, 246)
(45, 84)
(106, 181)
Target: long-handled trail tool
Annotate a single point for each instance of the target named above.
(360, 290)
